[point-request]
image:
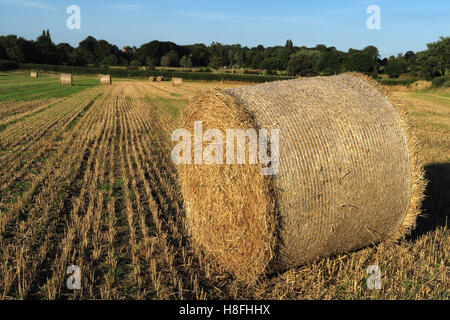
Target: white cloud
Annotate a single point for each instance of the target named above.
(29, 4)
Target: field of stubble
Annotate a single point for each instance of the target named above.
(86, 179)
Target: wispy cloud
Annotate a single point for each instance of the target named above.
(128, 7)
(220, 17)
(29, 4)
(207, 16)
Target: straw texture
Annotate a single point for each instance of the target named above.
(349, 174)
(34, 74)
(65, 78)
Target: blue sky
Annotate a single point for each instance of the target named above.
(405, 25)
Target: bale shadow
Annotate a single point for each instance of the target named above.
(436, 205)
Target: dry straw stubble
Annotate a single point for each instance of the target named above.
(349, 175)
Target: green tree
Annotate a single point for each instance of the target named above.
(359, 61)
(3, 54)
(410, 56)
(81, 56)
(219, 55)
(46, 49)
(150, 63)
(170, 59)
(440, 52)
(136, 63)
(19, 49)
(186, 62)
(256, 61)
(216, 62)
(174, 58)
(283, 55)
(330, 62)
(428, 64)
(104, 52)
(303, 62)
(271, 64)
(110, 60)
(88, 49)
(375, 72)
(199, 55)
(64, 52)
(395, 67)
(373, 52)
(289, 45)
(165, 61)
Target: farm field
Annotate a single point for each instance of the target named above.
(86, 179)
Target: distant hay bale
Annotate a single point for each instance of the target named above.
(151, 79)
(65, 78)
(177, 81)
(420, 85)
(159, 78)
(34, 74)
(349, 174)
(105, 79)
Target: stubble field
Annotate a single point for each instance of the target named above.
(86, 179)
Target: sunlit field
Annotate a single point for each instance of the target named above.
(86, 179)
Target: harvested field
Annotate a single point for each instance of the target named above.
(87, 179)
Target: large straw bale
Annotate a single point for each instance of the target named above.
(177, 81)
(105, 79)
(65, 78)
(34, 74)
(151, 78)
(159, 78)
(349, 174)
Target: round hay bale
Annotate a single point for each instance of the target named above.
(177, 81)
(159, 78)
(348, 174)
(105, 79)
(34, 74)
(151, 79)
(65, 78)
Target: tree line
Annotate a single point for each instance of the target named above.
(288, 59)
